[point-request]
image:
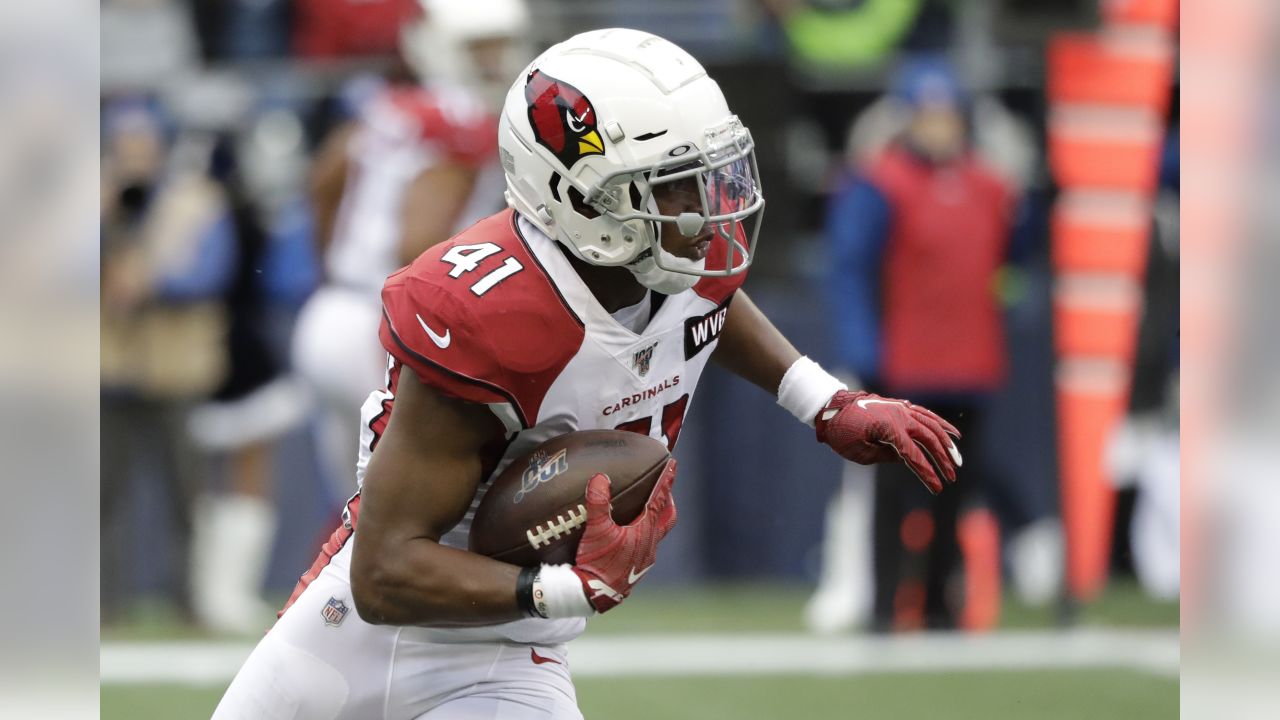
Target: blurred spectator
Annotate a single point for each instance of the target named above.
(1003, 140)
(836, 36)
(417, 164)
(338, 28)
(243, 29)
(272, 156)
(255, 404)
(918, 239)
(167, 254)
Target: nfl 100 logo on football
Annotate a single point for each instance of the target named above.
(334, 612)
(543, 468)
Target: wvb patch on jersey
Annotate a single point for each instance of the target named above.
(700, 331)
(334, 612)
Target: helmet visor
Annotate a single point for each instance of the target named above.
(712, 194)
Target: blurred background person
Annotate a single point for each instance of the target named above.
(258, 401)
(416, 164)
(918, 238)
(348, 28)
(245, 29)
(167, 255)
(839, 36)
(193, 262)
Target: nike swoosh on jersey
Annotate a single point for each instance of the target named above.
(539, 660)
(633, 576)
(441, 341)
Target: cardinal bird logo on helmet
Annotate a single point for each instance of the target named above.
(563, 119)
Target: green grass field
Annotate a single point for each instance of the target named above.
(1072, 693)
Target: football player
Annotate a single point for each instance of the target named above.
(417, 164)
(594, 302)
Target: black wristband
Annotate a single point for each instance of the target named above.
(524, 590)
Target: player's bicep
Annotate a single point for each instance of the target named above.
(752, 347)
(425, 470)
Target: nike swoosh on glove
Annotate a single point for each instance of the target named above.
(867, 428)
(612, 558)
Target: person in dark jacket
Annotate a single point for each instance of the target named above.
(918, 236)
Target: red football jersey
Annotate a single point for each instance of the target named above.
(498, 316)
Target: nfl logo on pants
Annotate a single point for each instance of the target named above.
(334, 612)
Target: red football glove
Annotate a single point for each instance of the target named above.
(867, 428)
(612, 558)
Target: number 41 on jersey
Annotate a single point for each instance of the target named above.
(466, 258)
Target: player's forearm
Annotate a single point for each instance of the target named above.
(420, 582)
(432, 206)
(752, 348)
(327, 182)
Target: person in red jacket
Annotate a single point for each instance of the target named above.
(917, 239)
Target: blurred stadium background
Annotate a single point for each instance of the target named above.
(1076, 106)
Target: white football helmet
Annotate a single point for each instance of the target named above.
(595, 124)
(441, 44)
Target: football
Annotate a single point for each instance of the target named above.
(535, 511)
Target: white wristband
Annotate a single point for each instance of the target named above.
(558, 593)
(806, 388)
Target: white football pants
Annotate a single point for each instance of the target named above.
(322, 662)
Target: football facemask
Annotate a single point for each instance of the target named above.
(712, 193)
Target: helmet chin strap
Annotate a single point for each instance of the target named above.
(661, 280)
(667, 282)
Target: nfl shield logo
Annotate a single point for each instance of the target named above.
(640, 361)
(334, 612)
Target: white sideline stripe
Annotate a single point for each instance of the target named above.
(1150, 651)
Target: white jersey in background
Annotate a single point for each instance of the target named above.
(401, 133)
